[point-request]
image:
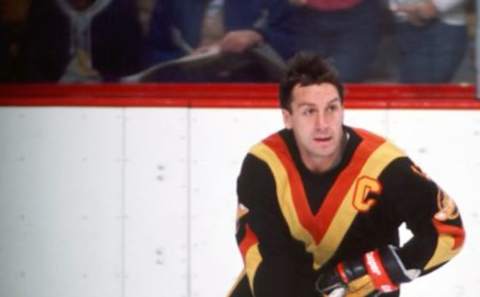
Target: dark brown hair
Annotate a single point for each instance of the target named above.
(307, 68)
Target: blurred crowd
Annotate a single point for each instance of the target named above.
(88, 41)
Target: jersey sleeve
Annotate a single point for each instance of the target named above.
(271, 257)
(429, 213)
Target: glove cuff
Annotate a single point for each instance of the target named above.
(376, 270)
(350, 270)
(394, 266)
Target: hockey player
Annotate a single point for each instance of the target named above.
(320, 203)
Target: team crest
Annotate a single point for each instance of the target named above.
(447, 209)
(419, 171)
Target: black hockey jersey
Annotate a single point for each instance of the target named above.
(293, 224)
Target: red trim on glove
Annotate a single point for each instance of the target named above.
(341, 272)
(376, 270)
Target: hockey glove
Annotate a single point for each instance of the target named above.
(377, 272)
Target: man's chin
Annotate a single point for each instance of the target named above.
(322, 152)
(324, 147)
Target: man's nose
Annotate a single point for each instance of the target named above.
(321, 121)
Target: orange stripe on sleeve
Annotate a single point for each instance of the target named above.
(248, 241)
(457, 233)
(449, 243)
(251, 255)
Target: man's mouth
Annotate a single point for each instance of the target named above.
(322, 138)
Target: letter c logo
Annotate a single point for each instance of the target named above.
(364, 186)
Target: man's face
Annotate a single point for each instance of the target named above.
(316, 118)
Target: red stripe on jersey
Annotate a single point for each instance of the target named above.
(318, 225)
(346, 178)
(457, 233)
(248, 241)
(302, 208)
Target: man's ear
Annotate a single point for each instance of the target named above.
(287, 118)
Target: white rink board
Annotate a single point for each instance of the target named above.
(219, 140)
(156, 198)
(446, 146)
(59, 202)
(140, 202)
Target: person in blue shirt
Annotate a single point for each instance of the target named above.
(176, 31)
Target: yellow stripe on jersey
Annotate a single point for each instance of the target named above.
(284, 193)
(344, 216)
(253, 258)
(449, 243)
(250, 253)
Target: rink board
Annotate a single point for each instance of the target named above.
(140, 201)
(124, 196)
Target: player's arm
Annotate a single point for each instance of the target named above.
(251, 22)
(437, 237)
(262, 235)
(432, 217)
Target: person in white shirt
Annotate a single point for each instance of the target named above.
(432, 38)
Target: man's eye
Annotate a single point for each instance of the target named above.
(309, 111)
(332, 108)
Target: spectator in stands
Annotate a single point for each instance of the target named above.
(345, 32)
(81, 40)
(178, 28)
(4, 53)
(432, 39)
(13, 15)
(144, 11)
(254, 21)
(174, 29)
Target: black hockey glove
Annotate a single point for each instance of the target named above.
(377, 272)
